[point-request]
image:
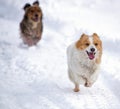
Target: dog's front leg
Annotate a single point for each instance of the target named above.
(87, 82)
(76, 89)
(29, 41)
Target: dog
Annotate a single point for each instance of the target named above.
(84, 58)
(31, 26)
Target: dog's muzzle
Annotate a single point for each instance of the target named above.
(91, 54)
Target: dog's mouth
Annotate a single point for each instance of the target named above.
(35, 19)
(91, 55)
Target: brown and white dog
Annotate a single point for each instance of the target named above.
(31, 26)
(84, 57)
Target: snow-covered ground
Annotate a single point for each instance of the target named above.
(36, 77)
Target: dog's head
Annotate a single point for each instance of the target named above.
(91, 45)
(33, 13)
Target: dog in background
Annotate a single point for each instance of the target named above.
(31, 26)
(84, 57)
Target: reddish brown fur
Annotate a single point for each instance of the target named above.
(82, 42)
(31, 11)
(96, 40)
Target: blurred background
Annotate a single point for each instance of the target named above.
(36, 77)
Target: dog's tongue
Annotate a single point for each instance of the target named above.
(91, 55)
(36, 19)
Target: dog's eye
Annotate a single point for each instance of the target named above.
(87, 44)
(96, 44)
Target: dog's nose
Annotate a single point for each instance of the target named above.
(92, 49)
(36, 15)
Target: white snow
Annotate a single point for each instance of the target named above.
(36, 77)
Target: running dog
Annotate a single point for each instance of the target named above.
(31, 26)
(84, 58)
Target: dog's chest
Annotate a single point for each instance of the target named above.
(34, 25)
(88, 67)
(83, 65)
(35, 32)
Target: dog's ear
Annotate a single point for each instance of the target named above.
(36, 3)
(79, 42)
(27, 5)
(95, 35)
(83, 35)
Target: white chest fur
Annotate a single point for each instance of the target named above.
(79, 65)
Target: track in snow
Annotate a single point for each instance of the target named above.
(36, 81)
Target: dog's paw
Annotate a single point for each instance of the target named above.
(76, 90)
(88, 84)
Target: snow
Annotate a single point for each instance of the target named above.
(36, 77)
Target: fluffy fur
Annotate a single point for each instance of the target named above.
(84, 57)
(31, 26)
